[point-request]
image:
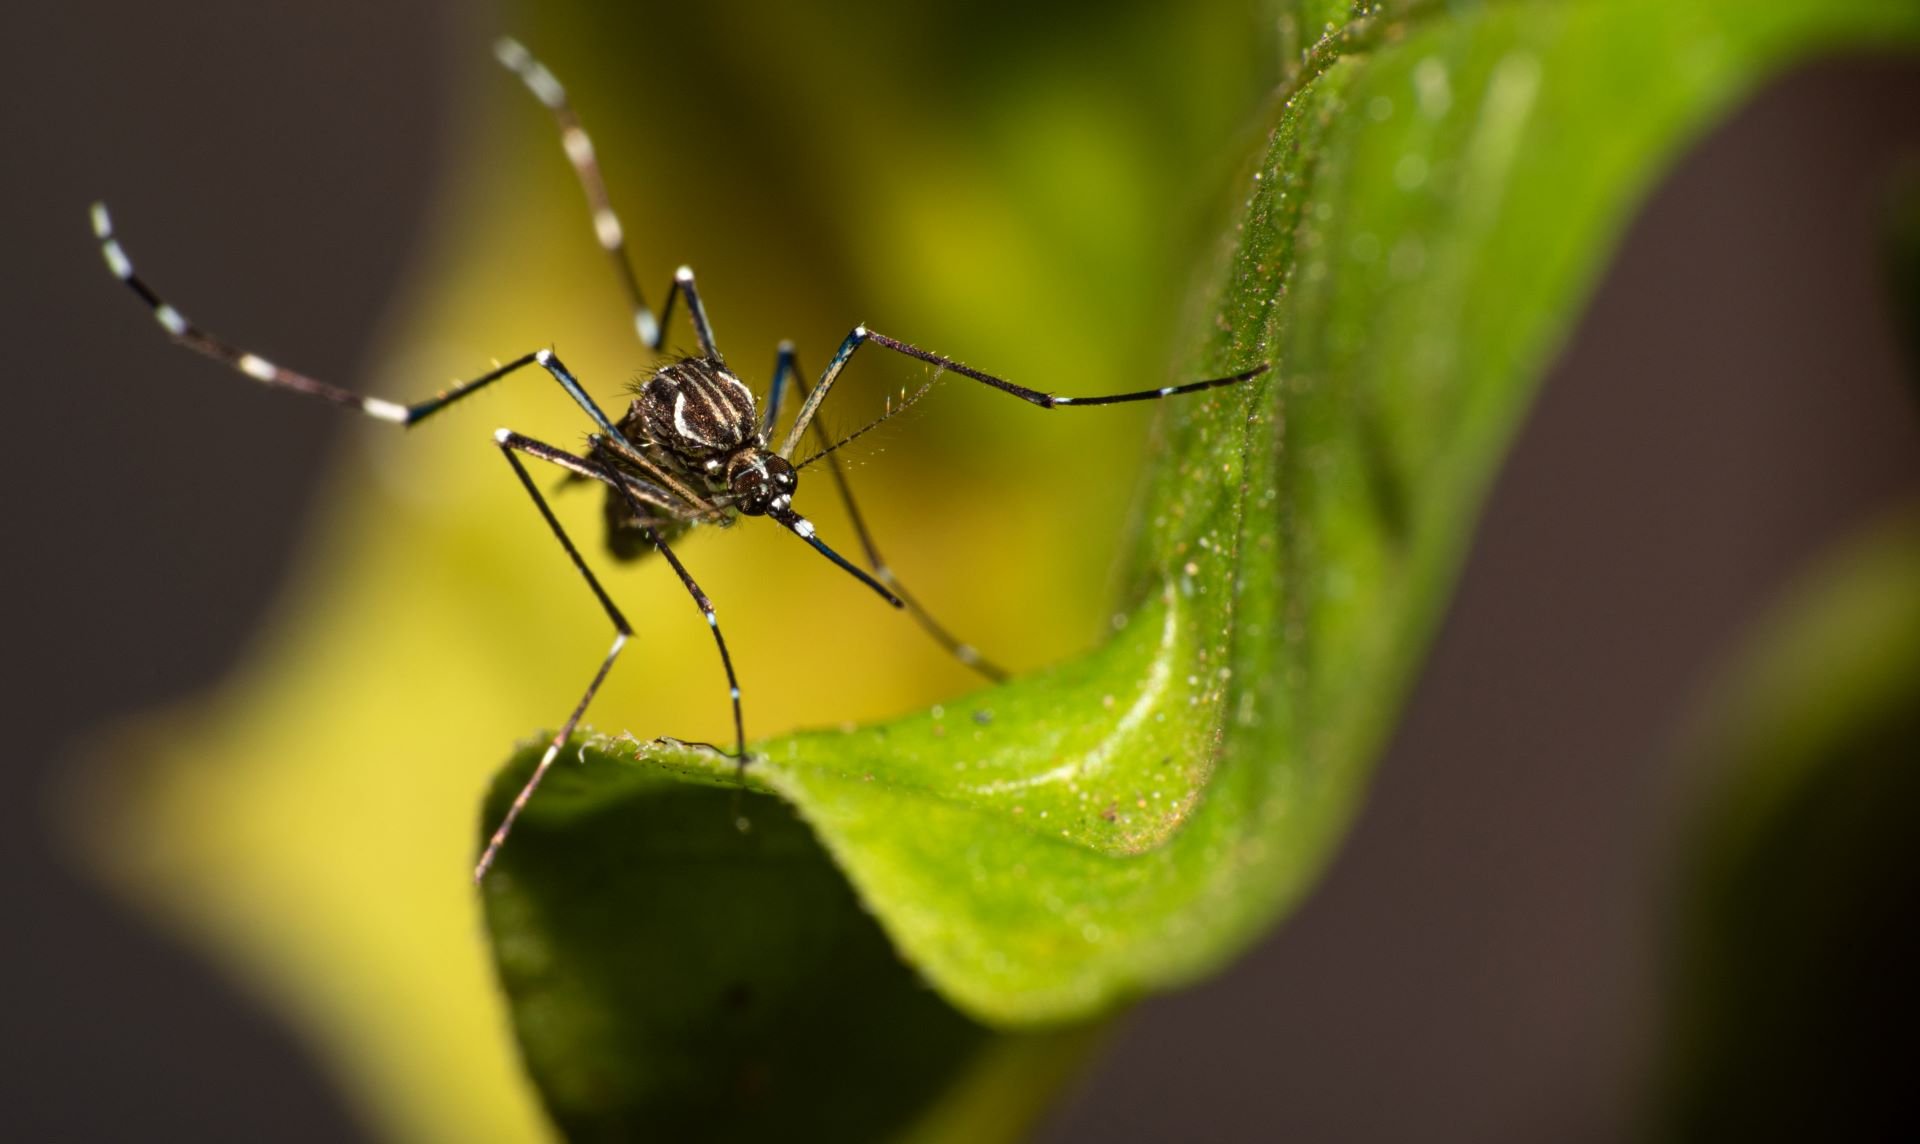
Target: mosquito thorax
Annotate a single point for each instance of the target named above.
(698, 410)
(760, 480)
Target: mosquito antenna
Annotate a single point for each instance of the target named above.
(801, 527)
(905, 404)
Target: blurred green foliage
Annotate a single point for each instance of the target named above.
(1793, 987)
(1425, 205)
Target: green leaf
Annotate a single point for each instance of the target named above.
(1434, 196)
(1804, 866)
(714, 984)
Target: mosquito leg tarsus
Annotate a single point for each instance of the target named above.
(787, 368)
(606, 224)
(277, 376)
(861, 336)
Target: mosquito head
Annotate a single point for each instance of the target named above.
(760, 481)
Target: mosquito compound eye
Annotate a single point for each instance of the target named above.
(784, 478)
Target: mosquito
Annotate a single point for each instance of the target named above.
(694, 447)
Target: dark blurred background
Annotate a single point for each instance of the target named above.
(1482, 961)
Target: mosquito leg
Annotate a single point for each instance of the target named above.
(545, 359)
(508, 442)
(279, 377)
(666, 504)
(786, 367)
(719, 641)
(606, 224)
(696, 312)
(861, 335)
(648, 502)
(579, 148)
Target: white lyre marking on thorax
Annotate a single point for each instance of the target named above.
(680, 414)
(745, 393)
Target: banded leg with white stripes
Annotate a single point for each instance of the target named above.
(267, 372)
(787, 368)
(861, 336)
(511, 443)
(606, 224)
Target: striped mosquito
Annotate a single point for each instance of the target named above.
(693, 447)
